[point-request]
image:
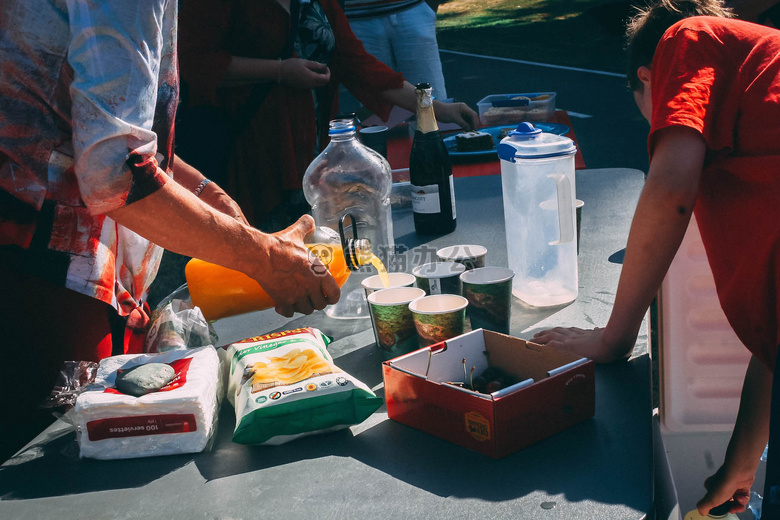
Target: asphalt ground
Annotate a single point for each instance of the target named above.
(610, 130)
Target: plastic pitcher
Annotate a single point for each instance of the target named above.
(537, 177)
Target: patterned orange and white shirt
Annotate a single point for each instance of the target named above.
(88, 95)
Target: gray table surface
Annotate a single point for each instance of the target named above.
(600, 469)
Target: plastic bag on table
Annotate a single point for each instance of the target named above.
(285, 385)
(175, 323)
(75, 377)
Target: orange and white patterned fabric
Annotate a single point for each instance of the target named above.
(88, 94)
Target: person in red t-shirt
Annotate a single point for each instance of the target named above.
(710, 88)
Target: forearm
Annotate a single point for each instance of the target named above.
(751, 430)
(458, 113)
(661, 219)
(657, 229)
(176, 220)
(192, 180)
(735, 477)
(404, 97)
(242, 71)
(186, 175)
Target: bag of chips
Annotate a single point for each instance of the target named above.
(285, 385)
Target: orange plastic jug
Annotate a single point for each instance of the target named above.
(221, 292)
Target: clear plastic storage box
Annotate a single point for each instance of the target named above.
(500, 109)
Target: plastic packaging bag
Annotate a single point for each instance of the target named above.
(175, 323)
(74, 378)
(285, 385)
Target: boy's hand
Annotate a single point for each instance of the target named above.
(586, 343)
(748, 440)
(725, 485)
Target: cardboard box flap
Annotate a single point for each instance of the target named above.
(524, 359)
(480, 349)
(447, 364)
(415, 363)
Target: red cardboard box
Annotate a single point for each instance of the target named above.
(556, 391)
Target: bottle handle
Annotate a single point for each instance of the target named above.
(348, 244)
(565, 209)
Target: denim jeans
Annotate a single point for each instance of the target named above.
(405, 42)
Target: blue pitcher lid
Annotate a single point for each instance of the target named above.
(529, 142)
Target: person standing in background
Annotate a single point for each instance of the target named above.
(300, 51)
(402, 35)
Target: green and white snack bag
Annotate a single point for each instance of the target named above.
(285, 385)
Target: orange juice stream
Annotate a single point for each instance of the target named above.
(221, 292)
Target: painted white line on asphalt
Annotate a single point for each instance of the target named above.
(548, 65)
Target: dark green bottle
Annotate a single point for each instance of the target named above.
(430, 172)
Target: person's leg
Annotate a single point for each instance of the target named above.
(372, 32)
(42, 326)
(415, 48)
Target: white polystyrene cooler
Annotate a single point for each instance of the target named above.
(702, 367)
(703, 362)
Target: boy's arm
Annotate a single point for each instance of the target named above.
(661, 219)
(750, 435)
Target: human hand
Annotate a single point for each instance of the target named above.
(587, 343)
(295, 279)
(303, 74)
(727, 485)
(458, 113)
(215, 196)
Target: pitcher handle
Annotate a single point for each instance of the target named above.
(565, 209)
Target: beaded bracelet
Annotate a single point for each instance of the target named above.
(199, 189)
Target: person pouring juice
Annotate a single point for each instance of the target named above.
(220, 292)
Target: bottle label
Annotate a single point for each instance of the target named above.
(425, 199)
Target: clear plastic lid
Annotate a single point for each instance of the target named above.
(529, 142)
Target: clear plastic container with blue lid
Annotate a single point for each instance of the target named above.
(537, 178)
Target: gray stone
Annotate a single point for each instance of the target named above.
(144, 379)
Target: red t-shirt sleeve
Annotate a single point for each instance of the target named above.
(364, 75)
(693, 85)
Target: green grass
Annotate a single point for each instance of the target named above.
(576, 33)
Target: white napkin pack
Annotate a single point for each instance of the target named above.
(179, 418)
